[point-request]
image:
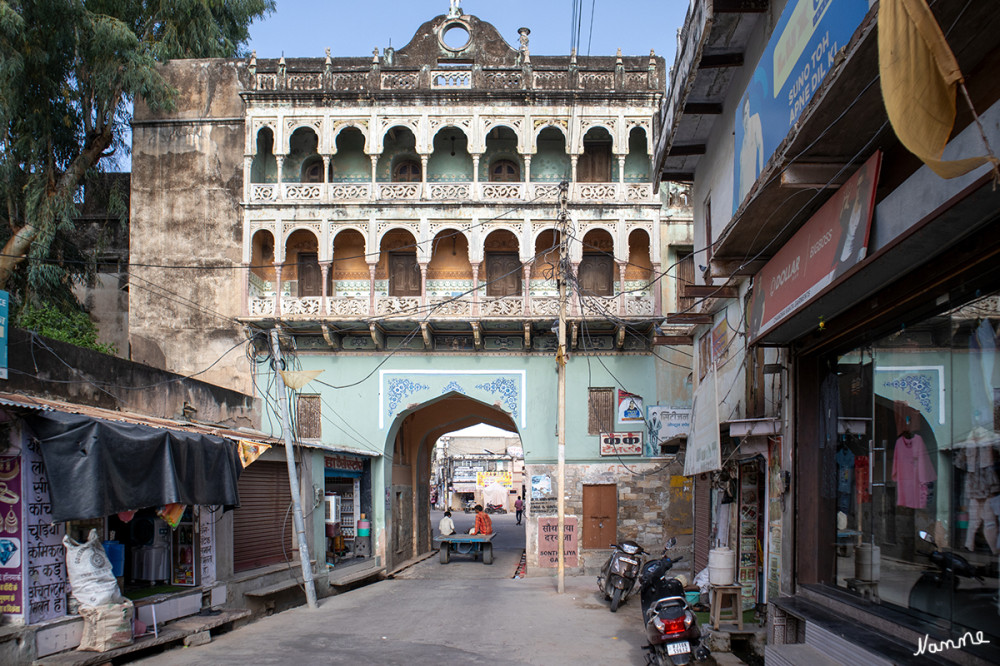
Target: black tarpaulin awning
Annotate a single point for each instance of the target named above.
(97, 468)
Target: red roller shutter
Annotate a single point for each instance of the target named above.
(264, 504)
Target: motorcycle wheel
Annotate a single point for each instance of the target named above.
(616, 599)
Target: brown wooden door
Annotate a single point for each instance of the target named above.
(600, 515)
(503, 274)
(594, 165)
(404, 275)
(310, 277)
(597, 275)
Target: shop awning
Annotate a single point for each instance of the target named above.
(98, 468)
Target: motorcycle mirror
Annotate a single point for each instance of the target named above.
(671, 542)
(926, 537)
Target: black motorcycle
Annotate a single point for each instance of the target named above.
(940, 590)
(671, 626)
(619, 574)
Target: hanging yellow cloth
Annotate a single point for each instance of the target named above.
(298, 378)
(250, 451)
(919, 80)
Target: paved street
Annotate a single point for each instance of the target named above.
(463, 612)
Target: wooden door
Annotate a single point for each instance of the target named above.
(600, 515)
(310, 277)
(594, 166)
(597, 275)
(503, 274)
(404, 275)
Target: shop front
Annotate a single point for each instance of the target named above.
(896, 416)
(348, 496)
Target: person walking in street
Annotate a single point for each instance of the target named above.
(518, 509)
(483, 523)
(446, 526)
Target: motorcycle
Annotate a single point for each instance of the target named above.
(495, 508)
(671, 626)
(940, 593)
(619, 574)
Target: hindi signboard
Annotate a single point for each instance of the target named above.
(621, 443)
(548, 541)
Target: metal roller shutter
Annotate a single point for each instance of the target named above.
(264, 504)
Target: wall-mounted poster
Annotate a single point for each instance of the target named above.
(621, 443)
(629, 407)
(666, 427)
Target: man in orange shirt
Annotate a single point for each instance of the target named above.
(483, 523)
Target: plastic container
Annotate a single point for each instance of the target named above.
(721, 566)
(115, 551)
(693, 596)
(364, 528)
(867, 562)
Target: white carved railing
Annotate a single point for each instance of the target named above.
(307, 305)
(504, 306)
(348, 191)
(399, 191)
(310, 191)
(501, 191)
(346, 307)
(389, 305)
(451, 79)
(638, 192)
(449, 306)
(600, 306)
(638, 305)
(589, 192)
(546, 306)
(543, 192)
(440, 191)
(262, 192)
(261, 306)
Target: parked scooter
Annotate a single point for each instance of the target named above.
(671, 626)
(619, 574)
(939, 591)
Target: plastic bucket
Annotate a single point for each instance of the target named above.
(721, 566)
(364, 531)
(693, 596)
(115, 551)
(364, 524)
(867, 562)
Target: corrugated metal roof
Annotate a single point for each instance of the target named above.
(24, 405)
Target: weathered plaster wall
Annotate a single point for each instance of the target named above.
(187, 178)
(654, 504)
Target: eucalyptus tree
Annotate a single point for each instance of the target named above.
(69, 72)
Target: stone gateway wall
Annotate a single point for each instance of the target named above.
(655, 502)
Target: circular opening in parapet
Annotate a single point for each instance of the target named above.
(455, 36)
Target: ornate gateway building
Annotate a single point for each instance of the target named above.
(396, 218)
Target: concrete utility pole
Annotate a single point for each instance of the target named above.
(293, 477)
(561, 399)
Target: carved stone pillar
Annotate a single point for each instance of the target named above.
(574, 303)
(573, 160)
(324, 267)
(527, 168)
(423, 172)
(621, 178)
(526, 287)
(280, 160)
(374, 159)
(622, 265)
(475, 170)
(277, 290)
(326, 168)
(371, 288)
(475, 290)
(423, 283)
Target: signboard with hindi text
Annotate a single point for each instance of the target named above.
(548, 541)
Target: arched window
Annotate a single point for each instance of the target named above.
(504, 171)
(406, 171)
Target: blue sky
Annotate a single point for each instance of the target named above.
(301, 28)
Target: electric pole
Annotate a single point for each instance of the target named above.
(293, 477)
(561, 393)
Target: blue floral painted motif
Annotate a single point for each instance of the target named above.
(398, 389)
(453, 386)
(918, 386)
(506, 389)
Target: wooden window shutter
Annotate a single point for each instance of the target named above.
(601, 410)
(308, 413)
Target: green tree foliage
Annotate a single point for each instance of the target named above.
(69, 72)
(70, 326)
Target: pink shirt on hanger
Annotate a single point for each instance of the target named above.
(912, 470)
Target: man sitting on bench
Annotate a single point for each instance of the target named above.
(483, 523)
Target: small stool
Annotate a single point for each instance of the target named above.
(734, 613)
(868, 589)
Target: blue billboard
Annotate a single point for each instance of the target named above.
(798, 57)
